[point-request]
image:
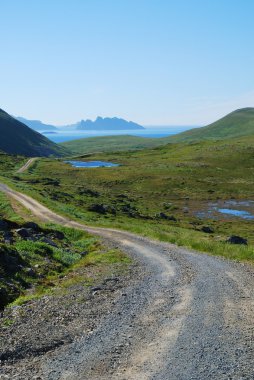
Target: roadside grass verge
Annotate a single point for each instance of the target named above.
(30, 269)
(84, 272)
(6, 210)
(190, 239)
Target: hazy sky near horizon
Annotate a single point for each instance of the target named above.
(171, 62)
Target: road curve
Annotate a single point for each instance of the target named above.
(27, 165)
(190, 317)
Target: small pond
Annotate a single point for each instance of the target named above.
(243, 209)
(240, 213)
(91, 164)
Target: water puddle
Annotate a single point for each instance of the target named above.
(239, 213)
(91, 164)
(243, 209)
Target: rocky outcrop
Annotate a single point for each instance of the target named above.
(234, 239)
(21, 265)
(102, 208)
(207, 229)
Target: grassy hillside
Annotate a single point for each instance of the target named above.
(17, 138)
(112, 143)
(236, 124)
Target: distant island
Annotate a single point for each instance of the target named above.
(99, 124)
(107, 123)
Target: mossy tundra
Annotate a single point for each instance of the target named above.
(155, 192)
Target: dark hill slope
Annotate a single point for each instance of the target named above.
(17, 138)
(236, 124)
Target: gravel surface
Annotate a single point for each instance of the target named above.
(183, 316)
(27, 165)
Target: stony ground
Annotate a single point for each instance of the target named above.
(184, 315)
(34, 330)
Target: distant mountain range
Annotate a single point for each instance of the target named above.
(19, 139)
(100, 124)
(37, 125)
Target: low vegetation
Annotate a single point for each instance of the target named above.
(236, 124)
(164, 192)
(156, 192)
(112, 144)
(35, 259)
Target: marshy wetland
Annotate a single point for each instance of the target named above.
(228, 209)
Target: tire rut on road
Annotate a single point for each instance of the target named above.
(190, 317)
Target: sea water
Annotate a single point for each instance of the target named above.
(151, 132)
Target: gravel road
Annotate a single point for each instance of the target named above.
(27, 165)
(190, 316)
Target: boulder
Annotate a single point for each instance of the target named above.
(234, 239)
(10, 260)
(89, 192)
(8, 237)
(24, 232)
(162, 215)
(58, 235)
(131, 210)
(30, 272)
(4, 297)
(102, 208)
(207, 229)
(32, 225)
(3, 225)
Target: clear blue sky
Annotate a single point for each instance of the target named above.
(151, 61)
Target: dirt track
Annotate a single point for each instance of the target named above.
(27, 165)
(190, 317)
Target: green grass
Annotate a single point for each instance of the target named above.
(165, 179)
(112, 143)
(7, 322)
(168, 179)
(10, 164)
(102, 263)
(6, 210)
(40, 249)
(194, 240)
(236, 124)
(112, 256)
(32, 269)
